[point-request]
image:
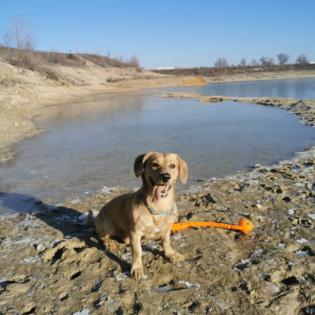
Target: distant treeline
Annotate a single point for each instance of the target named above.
(216, 71)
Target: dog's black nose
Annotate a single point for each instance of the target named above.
(165, 177)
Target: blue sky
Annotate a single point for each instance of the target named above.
(163, 33)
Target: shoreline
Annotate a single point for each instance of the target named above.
(265, 271)
(18, 118)
(269, 271)
(304, 109)
(285, 75)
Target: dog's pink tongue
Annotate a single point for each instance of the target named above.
(158, 190)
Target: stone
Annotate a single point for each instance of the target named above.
(85, 311)
(29, 308)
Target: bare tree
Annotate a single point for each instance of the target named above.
(7, 40)
(265, 61)
(302, 60)
(134, 62)
(221, 63)
(19, 36)
(254, 63)
(243, 63)
(283, 58)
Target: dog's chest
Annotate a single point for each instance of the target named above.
(157, 227)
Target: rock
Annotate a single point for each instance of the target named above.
(63, 295)
(272, 288)
(291, 212)
(207, 199)
(40, 248)
(56, 253)
(290, 281)
(18, 288)
(194, 306)
(286, 199)
(96, 286)
(308, 310)
(306, 223)
(29, 308)
(85, 311)
(305, 251)
(302, 241)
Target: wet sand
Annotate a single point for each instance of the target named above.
(270, 271)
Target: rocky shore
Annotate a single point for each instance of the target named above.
(52, 263)
(305, 109)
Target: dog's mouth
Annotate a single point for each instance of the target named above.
(159, 191)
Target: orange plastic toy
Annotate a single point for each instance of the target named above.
(244, 225)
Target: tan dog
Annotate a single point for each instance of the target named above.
(147, 213)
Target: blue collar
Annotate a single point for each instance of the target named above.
(156, 212)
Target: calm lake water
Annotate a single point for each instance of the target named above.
(91, 145)
(295, 88)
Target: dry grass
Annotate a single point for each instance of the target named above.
(39, 60)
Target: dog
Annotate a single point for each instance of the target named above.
(147, 213)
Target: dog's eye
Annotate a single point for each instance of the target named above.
(155, 165)
(172, 166)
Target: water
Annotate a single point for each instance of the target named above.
(295, 88)
(91, 145)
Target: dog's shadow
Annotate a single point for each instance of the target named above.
(66, 220)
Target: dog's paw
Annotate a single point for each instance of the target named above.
(111, 245)
(137, 273)
(176, 258)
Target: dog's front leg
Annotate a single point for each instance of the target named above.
(170, 253)
(136, 267)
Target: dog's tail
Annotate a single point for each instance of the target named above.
(90, 220)
(87, 218)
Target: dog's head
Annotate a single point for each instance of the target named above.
(160, 171)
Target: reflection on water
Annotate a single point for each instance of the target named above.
(93, 144)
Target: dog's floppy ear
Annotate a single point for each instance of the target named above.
(182, 170)
(139, 163)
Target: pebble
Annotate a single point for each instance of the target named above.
(40, 248)
(29, 308)
(272, 288)
(85, 311)
(83, 217)
(189, 284)
(291, 211)
(106, 190)
(302, 241)
(62, 296)
(75, 201)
